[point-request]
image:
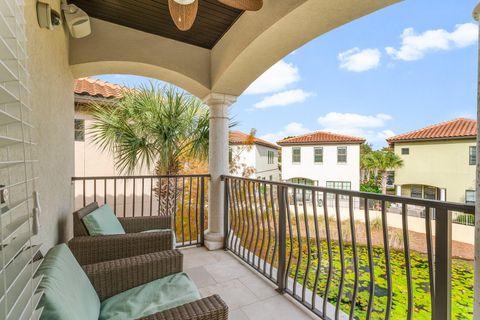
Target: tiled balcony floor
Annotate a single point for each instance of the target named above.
(247, 294)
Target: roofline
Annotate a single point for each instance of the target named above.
(474, 137)
(257, 143)
(287, 144)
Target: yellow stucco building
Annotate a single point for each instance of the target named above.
(438, 161)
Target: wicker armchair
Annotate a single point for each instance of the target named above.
(112, 277)
(92, 249)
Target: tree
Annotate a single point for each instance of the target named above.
(236, 166)
(376, 164)
(365, 162)
(157, 127)
(387, 160)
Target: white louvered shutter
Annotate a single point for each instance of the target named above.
(18, 299)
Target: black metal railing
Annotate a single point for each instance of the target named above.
(183, 197)
(351, 262)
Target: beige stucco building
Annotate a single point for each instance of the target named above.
(438, 161)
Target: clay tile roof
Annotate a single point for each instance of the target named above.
(239, 138)
(97, 88)
(320, 137)
(456, 128)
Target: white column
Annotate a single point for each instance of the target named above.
(398, 190)
(476, 286)
(217, 165)
(443, 194)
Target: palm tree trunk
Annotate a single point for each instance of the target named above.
(384, 182)
(168, 191)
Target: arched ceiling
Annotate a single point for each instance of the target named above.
(255, 42)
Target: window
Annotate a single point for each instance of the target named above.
(470, 196)
(271, 157)
(318, 155)
(343, 185)
(79, 130)
(430, 193)
(271, 177)
(342, 154)
(405, 150)
(390, 179)
(472, 155)
(296, 155)
(416, 192)
(230, 155)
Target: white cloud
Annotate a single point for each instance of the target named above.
(357, 60)
(283, 99)
(370, 127)
(275, 79)
(291, 129)
(353, 120)
(414, 46)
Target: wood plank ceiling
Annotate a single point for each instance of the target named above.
(152, 16)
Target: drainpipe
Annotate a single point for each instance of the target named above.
(217, 166)
(476, 287)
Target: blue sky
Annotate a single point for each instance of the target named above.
(399, 69)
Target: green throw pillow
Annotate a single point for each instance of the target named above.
(102, 222)
(67, 291)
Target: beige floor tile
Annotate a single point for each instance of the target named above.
(196, 257)
(228, 270)
(234, 293)
(275, 308)
(201, 277)
(262, 288)
(237, 315)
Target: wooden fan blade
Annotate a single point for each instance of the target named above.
(249, 5)
(183, 14)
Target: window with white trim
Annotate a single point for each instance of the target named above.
(472, 155)
(318, 155)
(271, 157)
(296, 155)
(79, 130)
(341, 154)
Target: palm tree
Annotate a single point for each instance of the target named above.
(156, 127)
(387, 160)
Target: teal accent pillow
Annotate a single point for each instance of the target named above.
(102, 221)
(156, 296)
(67, 292)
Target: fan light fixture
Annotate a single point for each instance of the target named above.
(184, 12)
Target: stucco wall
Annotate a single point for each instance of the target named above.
(441, 164)
(51, 86)
(329, 170)
(265, 169)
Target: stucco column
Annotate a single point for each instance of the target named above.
(398, 190)
(217, 165)
(476, 286)
(443, 194)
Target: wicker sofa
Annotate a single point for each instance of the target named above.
(92, 249)
(61, 272)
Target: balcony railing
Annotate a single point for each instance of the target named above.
(341, 254)
(182, 196)
(351, 255)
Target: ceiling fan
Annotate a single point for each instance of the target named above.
(184, 12)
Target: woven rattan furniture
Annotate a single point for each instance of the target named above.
(123, 279)
(92, 249)
(112, 277)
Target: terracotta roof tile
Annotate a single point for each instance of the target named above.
(320, 137)
(456, 128)
(237, 138)
(97, 88)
